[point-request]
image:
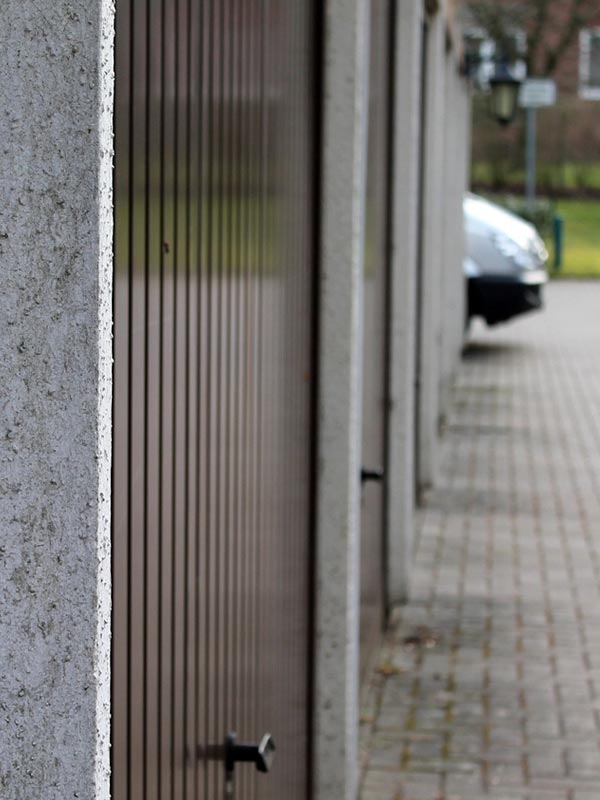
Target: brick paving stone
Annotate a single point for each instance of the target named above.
(379, 785)
(498, 695)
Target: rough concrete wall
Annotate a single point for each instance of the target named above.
(339, 430)
(405, 190)
(56, 253)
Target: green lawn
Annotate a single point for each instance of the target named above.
(581, 254)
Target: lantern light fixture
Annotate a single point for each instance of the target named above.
(504, 94)
(497, 75)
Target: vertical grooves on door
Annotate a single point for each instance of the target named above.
(188, 750)
(160, 432)
(212, 410)
(251, 344)
(296, 357)
(234, 365)
(192, 391)
(168, 401)
(174, 443)
(200, 590)
(226, 361)
(146, 529)
(120, 567)
(207, 233)
(217, 199)
(137, 416)
(245, 162)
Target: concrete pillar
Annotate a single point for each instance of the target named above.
(346, 40)
(462, 166)
(55, 372)
(456, 155)
(453, 282)
(431, 247)
(402, 342)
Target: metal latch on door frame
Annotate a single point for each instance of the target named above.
(233, 752)
(371, 475)
(261, 754)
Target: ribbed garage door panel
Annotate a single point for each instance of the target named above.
(213, 420)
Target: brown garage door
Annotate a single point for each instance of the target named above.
(214, 378)
(375, 331)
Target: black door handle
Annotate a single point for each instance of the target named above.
(232, 751)
(261, 754)
(371, 475)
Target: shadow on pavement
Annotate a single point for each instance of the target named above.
(485, 351)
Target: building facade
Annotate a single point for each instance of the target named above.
(232, 247)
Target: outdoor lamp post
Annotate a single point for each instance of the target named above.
(504, 95)
(494, 74)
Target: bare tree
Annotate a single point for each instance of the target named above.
(551, 27)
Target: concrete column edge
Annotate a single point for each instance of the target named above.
(403, 292)
(336, 717)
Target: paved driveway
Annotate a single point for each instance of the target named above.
(489, 683)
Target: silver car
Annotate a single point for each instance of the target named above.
(504, 265)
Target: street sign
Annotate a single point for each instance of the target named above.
(537, 93)
(534, 93)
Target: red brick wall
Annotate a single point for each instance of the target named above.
(567, 73)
